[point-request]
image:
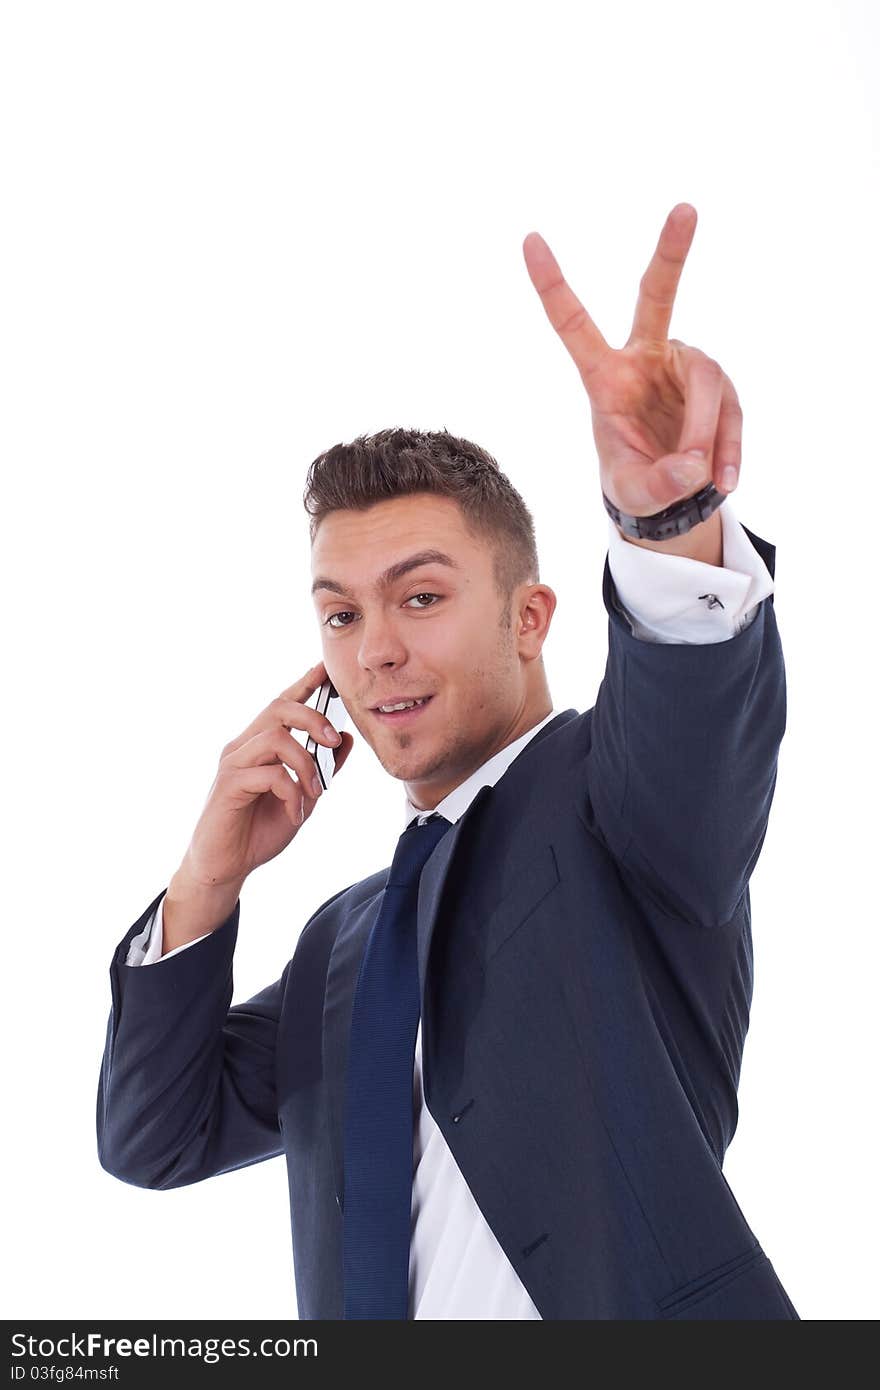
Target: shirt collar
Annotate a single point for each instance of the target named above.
(456, 802)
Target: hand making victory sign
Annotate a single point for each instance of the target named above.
(655, 400)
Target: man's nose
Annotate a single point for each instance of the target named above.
(380, 642)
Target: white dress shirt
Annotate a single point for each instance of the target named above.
(457, 1269)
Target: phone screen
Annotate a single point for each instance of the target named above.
(328, 703)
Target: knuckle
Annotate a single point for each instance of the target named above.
(575, 320)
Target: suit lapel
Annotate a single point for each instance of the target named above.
(436, 869)
(432, 882)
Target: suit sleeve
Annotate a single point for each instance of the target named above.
(681, 767)
(187, 1084)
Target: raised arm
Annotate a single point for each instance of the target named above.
(682, 764)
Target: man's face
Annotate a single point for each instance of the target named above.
(436, 629)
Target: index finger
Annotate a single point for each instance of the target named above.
(660, 281)
(562, 306)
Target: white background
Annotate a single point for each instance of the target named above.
(235, 234)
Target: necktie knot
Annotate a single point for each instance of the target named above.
(414, 848)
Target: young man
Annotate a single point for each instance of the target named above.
(503, 1071)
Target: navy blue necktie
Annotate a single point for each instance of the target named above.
(378, 1143)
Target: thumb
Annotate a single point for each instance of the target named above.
(682, 475)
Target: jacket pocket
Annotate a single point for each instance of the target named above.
(711, 1282)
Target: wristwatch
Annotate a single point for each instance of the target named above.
(672, 521)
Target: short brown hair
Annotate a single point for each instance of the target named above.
(397, 462)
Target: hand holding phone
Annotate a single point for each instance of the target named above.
(255, 806)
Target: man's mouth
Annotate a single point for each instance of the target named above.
(391, 714)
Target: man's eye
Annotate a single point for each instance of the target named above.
(328, 621)
(346, 612)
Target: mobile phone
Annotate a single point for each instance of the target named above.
(330, 705)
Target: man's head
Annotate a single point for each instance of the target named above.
(473, 646)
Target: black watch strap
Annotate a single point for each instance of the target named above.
(672, 521)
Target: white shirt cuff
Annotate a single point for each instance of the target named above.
(672, 598)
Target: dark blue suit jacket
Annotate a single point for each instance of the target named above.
(585, 955)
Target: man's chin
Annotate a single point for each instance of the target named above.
(406, 766)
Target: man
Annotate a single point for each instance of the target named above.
(503, 1071)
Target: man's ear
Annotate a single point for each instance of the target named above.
(530, 617)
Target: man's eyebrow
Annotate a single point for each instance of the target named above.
(394, 572)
